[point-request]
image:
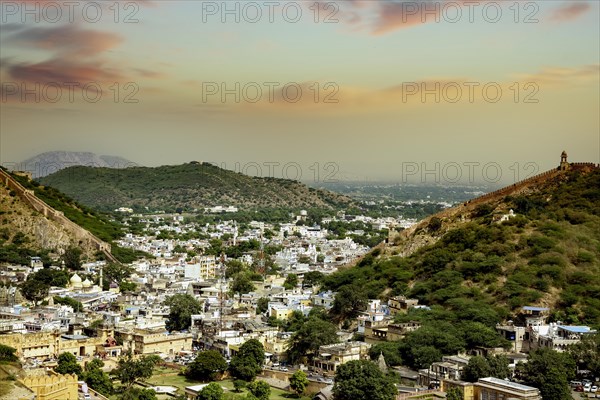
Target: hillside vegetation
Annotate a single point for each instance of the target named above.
(184, 187)
(478, 269)
(24, 232)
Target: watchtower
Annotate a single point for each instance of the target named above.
(564, 164)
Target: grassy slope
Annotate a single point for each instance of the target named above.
(186, 186)
(548, 255)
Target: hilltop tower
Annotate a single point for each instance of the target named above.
(564, 164)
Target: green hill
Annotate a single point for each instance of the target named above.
(470, 266)
(187, 187)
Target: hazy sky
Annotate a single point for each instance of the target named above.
(354, 89)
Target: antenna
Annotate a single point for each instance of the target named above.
(261, 256)
(221, 283)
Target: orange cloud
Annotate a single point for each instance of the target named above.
(60, 71)
(570, 11)
(67, 40)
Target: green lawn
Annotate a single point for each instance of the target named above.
(168, 377)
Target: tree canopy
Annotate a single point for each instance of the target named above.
(315, 332)
(67, 364)
(298, 382)
(206, 366)
(550, 371)
(129, 370)
(248, 362)
(362, 380)
(182, 307)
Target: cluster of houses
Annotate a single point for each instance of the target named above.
(108, 322)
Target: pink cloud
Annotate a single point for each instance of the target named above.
(68, 40)
(570, 11)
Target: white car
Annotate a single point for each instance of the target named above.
(594, 389)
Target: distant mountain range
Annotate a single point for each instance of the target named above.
(52, 161)
(189, 186)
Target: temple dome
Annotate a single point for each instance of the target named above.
(75, 279)
(87, 283)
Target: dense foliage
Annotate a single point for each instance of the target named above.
(206, 366)
(248, 362)
(181, 309)
(184, 187)
(485, 271)
(362, 380)
(67, 364)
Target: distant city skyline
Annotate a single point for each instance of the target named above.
(364, 90)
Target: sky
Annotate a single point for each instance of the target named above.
(364, 90)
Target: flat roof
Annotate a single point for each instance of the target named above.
(575, 328)
(502, 382)
(74, 337)
(532, 308)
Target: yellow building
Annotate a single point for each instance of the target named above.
(467, 388)
(493, 389)
(52, 386)
(152, 342)
(332, 356)
(498, 389)
(43, 345)
(280, 312)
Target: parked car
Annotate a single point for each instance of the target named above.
(594, 389)
(579, 388)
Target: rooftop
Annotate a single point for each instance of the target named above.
(508, 384)
(576, 329)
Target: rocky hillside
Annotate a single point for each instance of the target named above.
(52, 161)
(188, 187)
(479, 258)
(25, 232)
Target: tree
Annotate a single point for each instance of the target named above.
(549, 371)
(390, 351)
(348, 302)
(128, 370)
(126, 286)
(362, 380)
(587, 353)
(206, 366)
(262, 305)
(182, 307)
(298, 382)
(96, 378)
(499, 366)
(135, 393)
(312, 278)
(34, 290)
(454, 393)
(248, 362)
(233, 267)
(478, 367)
(291, 281)
(113, 272)
(67, 364)
(242, 284)
(69, 301)
(238, 385)
(305, 342)
(37, 285)
(424, 356)
(212, 391)
(7, 353)
(260, 389)
(72, 257)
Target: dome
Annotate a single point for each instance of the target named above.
(75, 279)
(87, 283)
